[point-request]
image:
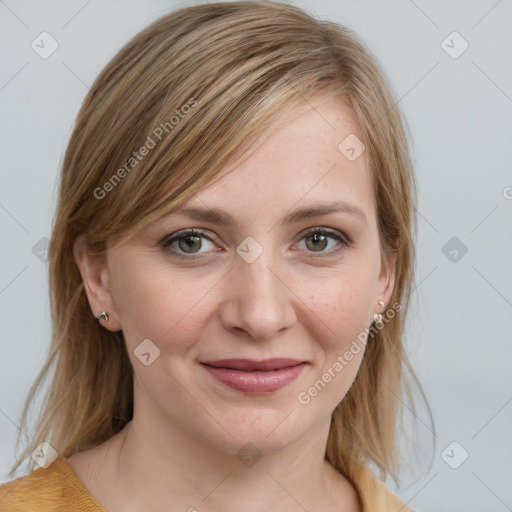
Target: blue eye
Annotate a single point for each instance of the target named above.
(191, 241)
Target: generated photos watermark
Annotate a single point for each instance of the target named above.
(342, 360)
(157, 135)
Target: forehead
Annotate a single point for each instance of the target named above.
(308, 160)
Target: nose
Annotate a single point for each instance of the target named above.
(259, 299)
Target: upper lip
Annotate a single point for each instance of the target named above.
(249, 365)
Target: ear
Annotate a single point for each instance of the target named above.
(96, 278)
(386, 281)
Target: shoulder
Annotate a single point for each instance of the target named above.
(376, 496)
(53, 489)
(39, 490)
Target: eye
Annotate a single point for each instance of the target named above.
(189, 242)
(317, 240)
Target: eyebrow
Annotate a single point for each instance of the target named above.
(215, 215)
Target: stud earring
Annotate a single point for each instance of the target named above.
(377, 317)
(103, 315)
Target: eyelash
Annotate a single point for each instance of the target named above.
(346, 242)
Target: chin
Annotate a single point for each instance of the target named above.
(260, 429)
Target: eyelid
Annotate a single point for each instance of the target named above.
(172, 237)
(187, 231)
(327, 231)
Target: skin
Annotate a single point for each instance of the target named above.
(296, 299)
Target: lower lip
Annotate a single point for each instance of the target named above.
(257, 381)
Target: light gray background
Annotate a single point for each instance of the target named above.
(459, 112)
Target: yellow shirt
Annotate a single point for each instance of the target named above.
(58, 488)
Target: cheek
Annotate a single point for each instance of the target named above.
(151, 302)
(344, 304)
(339, 313)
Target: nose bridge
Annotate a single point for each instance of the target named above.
(260, 303)
(258, 277)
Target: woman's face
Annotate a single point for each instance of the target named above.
(262, 287)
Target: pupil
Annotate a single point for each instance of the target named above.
(190, 241)
(318, 239)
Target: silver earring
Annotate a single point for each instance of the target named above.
(103, 315)
(381, 302)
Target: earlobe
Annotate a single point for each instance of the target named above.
(96, 279)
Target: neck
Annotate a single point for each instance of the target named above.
(155, 464)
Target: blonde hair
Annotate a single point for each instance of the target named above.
(195, 88)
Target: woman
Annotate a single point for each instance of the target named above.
(230, 268)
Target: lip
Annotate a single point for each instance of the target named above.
(255, 376)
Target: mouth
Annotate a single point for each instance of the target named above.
(255, 376)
